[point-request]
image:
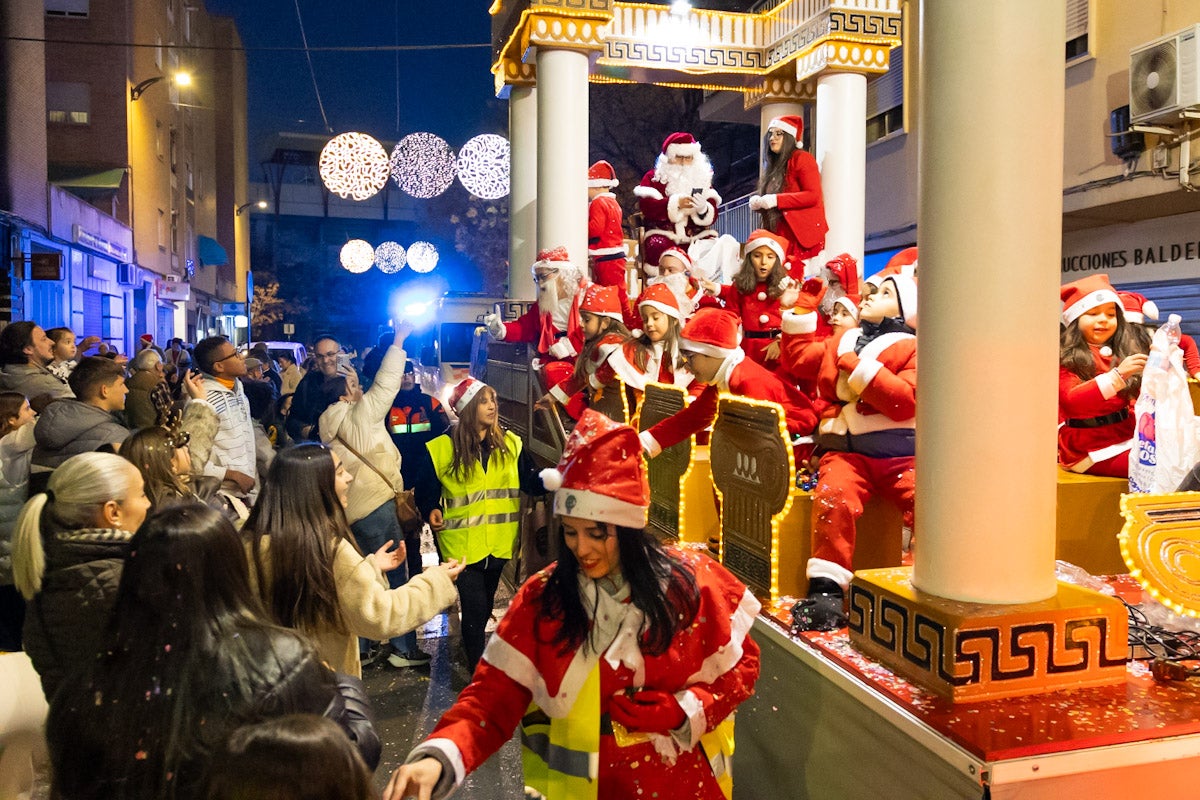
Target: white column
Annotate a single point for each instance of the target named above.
(523, 191)
(562, 151)
(768, 112)
(841, 153)
(990, 226)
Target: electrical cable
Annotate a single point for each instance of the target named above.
(1158, 642)
(311, 71)
(381, 48)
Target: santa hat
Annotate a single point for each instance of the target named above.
(601, 175)
(1137, 308)
(602, 301)
(147, 337)
(790, 124)
(602, 474)
(845, 269)
(555, 258)
(903, 262)
(654, 270)
(712, 332)
(764, 238)
(848, 304)
(1079, 297)
(680, 144)
(464, 393)
(659, 295)
(906, 297)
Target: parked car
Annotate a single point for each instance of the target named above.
(294, 349)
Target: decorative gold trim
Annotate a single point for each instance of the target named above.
(1160, 543)
(780, 89)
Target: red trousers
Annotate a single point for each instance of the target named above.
(846, 481)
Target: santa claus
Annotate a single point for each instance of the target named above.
(676, 198)
(553, 324)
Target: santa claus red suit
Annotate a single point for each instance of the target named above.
(714, 332)
(868, 376)
(1096, 415)
(796, 192)
(676, 198)
(606, 237)
(553, 324)
(614, 717)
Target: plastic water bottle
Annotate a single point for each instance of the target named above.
(1164, 342)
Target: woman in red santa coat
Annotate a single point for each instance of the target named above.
(1101, 359)
(633, 656)
(789, 195)
(868, 378)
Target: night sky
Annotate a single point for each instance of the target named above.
(443, 90)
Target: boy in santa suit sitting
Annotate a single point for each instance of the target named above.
(709, 344)
(868, 376)
(554, 323)
(600, 363)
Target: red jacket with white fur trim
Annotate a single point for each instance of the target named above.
(663, 215)
(802, 203)
(537, 326)
(1098, 397)
(602, 368)
(710, 666)
(606, 237)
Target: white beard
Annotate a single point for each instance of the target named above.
(683, 178)
(678, 284)
(548, 296)
(833, 293)
(556, 300)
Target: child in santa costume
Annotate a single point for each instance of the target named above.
(902, 263)
(596, 369)
(652, 353)
(789, 195)
(759, 291)
(606, 237)
(710, 349)
(468, 490)
(676, 198)
(553, 324)
(674, 270)
(1101, 358)
(868, 378)
(623, 662)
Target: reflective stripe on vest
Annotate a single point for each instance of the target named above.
(561, 757)
(482, 510)
(415, 427)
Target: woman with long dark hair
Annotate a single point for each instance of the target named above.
(789, 198)
(470, 493)
(632, 655)
(310, 573)
(164, 458)
(188, 657)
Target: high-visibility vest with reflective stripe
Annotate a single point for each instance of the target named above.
(482, 511)
(561, 757)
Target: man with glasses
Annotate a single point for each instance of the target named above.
(311, 398)
(233, 458)
(554, 324)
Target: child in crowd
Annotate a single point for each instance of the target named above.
(604, 333)
(66, 353)
(758, 292)
(1101, 358)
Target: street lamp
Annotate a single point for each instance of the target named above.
(180, 78)
(244, 206)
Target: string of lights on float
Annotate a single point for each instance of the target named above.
(358, 256)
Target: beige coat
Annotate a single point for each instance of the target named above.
(372, 610)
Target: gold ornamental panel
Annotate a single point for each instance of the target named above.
(1161, 546)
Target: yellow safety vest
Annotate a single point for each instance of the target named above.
(482, 511)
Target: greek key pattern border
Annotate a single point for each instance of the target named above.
(629, 52)
(985, 654)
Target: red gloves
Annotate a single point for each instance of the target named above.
(810, 294)
(650, 711)
(848, 362)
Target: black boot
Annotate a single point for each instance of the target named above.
(822, 609)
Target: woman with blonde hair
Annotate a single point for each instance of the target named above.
(69, 547)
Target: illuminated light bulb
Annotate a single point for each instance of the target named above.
(483, 166)
(422, 256)
(390, 257)
(422, 165)
(353, 165)
(357, 255)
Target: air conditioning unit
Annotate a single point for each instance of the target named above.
(1164, 77)
(126, 274)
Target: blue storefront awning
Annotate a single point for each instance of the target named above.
(211, 252)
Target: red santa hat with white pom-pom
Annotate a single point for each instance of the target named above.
(680, 143)
(660, 296)
(789, 124)
(602, 474)
(464, 393)
(601, 175)
(1079, 297)
(712, 332)
(1137, 308)
(603, 301)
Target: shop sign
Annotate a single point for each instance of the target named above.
(45, 266)
(233, 308)
(172, 290)
(99, 243)
(1167, 248)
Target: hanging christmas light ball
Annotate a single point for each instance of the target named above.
(357, 255)
(390, 257)
(423, 165)
(353, 165)
(422, 256)
(483, 166)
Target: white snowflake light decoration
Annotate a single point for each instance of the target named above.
(423, 165)
(483, 166)
(390, 257)
(353, 165)
(357, 255)
(422, 256)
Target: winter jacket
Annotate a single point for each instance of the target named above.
(65, 621)
(38, 384)
(233, 447)
(70, 427)
(361, 425)
(15, 450)
(289, 379)
(139, 407)
(370, 608)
